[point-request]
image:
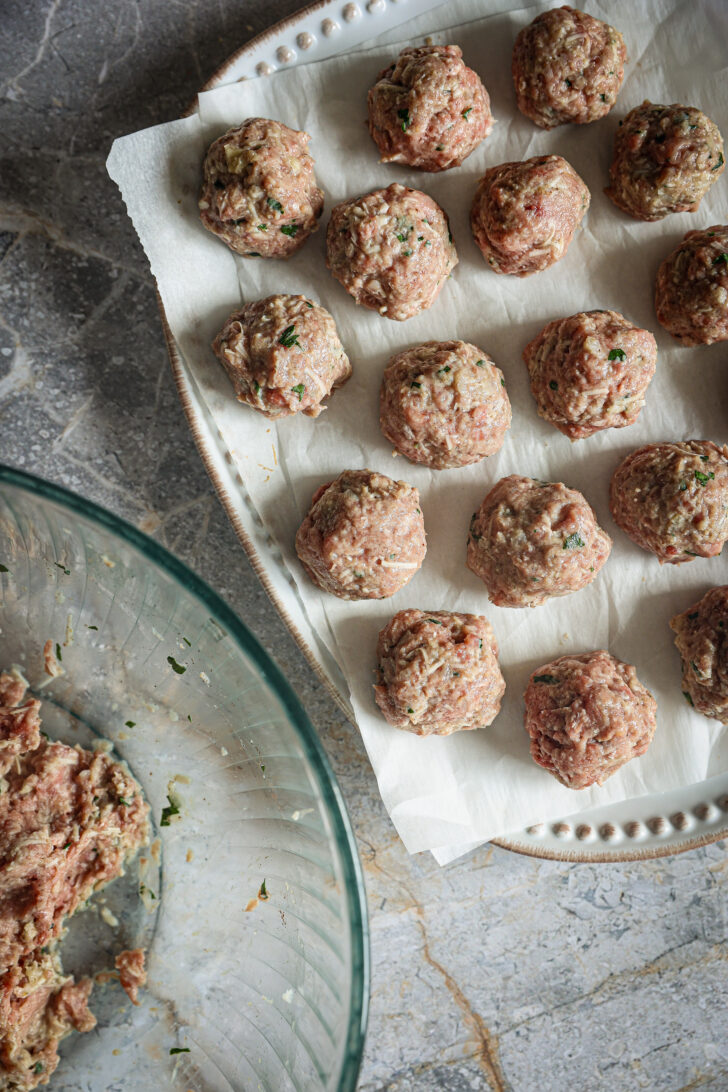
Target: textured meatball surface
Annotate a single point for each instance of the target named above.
(444, 404)
(259, 192)
(364, 536)
(666, 158)
(391, 250)
(567, 67)
(438, 673)
(672, 499)
(590, 372)
(587, 715)
(283, 355)
(531, 541)
(428, 109)
(524, 214)
(691, 295)
(701, 636)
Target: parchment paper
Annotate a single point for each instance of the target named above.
(447, 794)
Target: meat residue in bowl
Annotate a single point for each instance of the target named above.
(69, 821)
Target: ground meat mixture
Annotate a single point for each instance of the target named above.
(524, 214)
(69, 821)
(444, 404)
(391, 249)
(531, 541)
(438, 673)
(587, 715)
(567, 67)
(672, 499)
(259, 193)
(132, 972)
(283, 355)
(666, 158)
(364, 536)
(428, 109)
(590, 372)
(701, 636)
(691, 297)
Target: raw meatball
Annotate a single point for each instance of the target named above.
(438, 673)
(428, 109)
(587, 715)
(444, 404)
(524, 214)
(567, 67)
(259, 193)
(691, 298)
(283, 355)
(391, 249)
(701, 636)
(364, 536)
(666, 158)
(531, 541)
(672, 499)
(590, 372)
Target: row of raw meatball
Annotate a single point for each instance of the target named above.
(391, 249)
(530, 540)
(444, 404)
(586, 714)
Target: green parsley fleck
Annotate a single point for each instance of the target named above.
(704, 458)
(404, 117)
(256, 385)
(179, 669)
(719, 164)
(124, 802)
(616, 354)
(144, 890)
(188, 643)
(603, 98)
(439, 147)
(479, 363)
(683, 486)
(721, 258)
(92, 627)
(298, 389)
(169, 812)
(568, 83)
(466, 112)
(554, 385)
(262, 227)
(309, 304)
(38, 1067)
(130, 723)
(5, 569)
(290, 229)
(262, 768)
(703, 478)
(275, 204)
(414, 383)
(62, 568)
(572, 541)
(410, 710)
(253, 253)
(420, 238)
(434, 621)
(180, 1050)
(289, 337)
(687, 697)
(446, 368)
(503, 382)
(550, 680)
(407, 253)
(263, 892)
(481, 643)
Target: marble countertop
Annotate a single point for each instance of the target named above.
(499, 973)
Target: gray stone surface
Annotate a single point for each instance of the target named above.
(497, 973)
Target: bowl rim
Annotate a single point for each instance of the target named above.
(353, 877)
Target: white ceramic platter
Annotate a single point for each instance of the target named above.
(648, 826)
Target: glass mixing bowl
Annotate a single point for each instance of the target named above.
(250, 899)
